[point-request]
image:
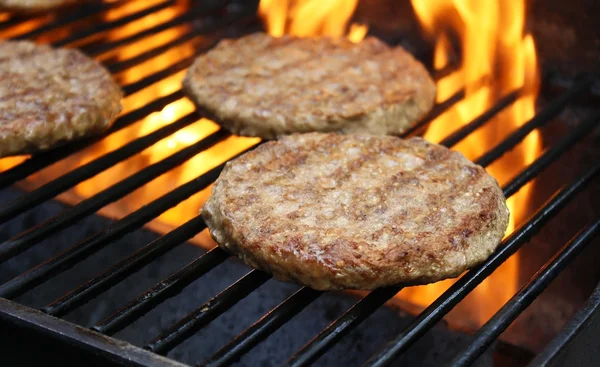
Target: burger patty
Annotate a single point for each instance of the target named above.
(265, 86)
(32, 5)
(333, 211)
(51, 96)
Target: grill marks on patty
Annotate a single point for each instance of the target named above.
(388, 210)
(265, 86)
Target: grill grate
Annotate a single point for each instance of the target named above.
(206, 25)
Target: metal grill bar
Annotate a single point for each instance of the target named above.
(437, 110)
(551, 155)
(125, 267)
(563, 348)
(82, 250)
(41, 161)
(91, 10)
(463, 286)
(538, 120)
(111, 351)
(14, 20)
(29, 238)
(342, 326)
(101, 48)
(108, 25)
(520, 301)
(173, 69)
(208, 312)
(260, 330)
(478, 122)
(161, 291)
(196, 11)
(294, 304)
(91, 169)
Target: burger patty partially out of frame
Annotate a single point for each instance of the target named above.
(51, 96)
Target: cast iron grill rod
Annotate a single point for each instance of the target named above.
(538, 120)
(463, 286)
(16, 19)
(103, 349)
(101, 48)
(211, 30)
(125, 267)
(109, 25)
(208, 31)
(116, 191)
(209, 311)
(353, 317)
(551, 154)
(528, 293)
(458, 135)
(91, 10)
(163, 290)
(438, 110)
(147, 55)
(167, 288)
(91, 169)
(92, 244)
(41, 161)
(264, 327)
(343, 325)
(147, 81)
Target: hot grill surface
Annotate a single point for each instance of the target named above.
(34, 264)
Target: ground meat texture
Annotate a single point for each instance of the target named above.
(265, 86)
(334, 211)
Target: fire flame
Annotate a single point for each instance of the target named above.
(305, 18)
(498, 57)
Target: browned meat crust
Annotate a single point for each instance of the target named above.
(51, 96)
(337, 211)
(263, 86)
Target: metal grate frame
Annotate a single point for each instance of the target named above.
(96, 339)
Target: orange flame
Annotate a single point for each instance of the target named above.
(496, 50)
(305, 18)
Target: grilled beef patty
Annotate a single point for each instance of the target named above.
(264, 86)
(334, 211)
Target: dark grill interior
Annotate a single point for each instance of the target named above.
(207, 22)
